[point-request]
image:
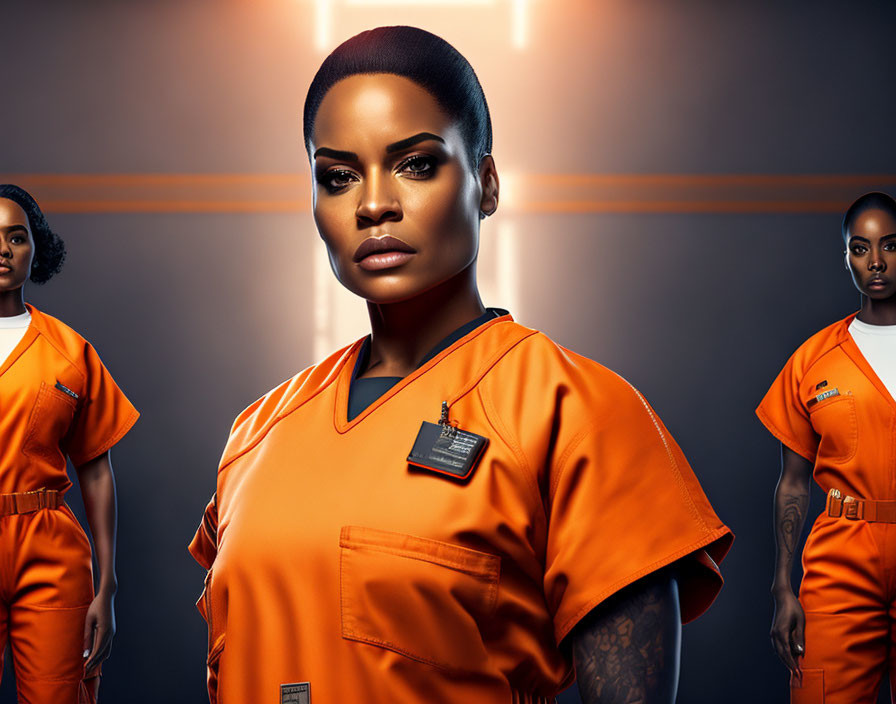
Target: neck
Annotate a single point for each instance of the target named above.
(403, 333)
(878, 312)
(12, 303)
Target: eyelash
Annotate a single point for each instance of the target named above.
(428, 164)
(862, 249)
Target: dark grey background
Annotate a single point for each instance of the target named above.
(197, 315)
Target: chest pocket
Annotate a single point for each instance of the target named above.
(49, 422)
(422, 598)
(834, 419)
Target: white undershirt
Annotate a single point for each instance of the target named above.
(877, 343)
(12, 330)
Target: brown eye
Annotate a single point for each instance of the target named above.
(418, 166)
(337, 180)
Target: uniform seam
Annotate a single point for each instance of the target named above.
(783, 437)
(113, 439)
(676, 470)
(487, 366)
(55, 345)
(334, 375)
(702, 542)
(494, 420)
(489, 574)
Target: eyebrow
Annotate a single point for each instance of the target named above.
(411, 141)
(340, 155)
(864, 239)
(13, 228)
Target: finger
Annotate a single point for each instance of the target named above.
(784, 654)
(89, 631)
(797, 648)
(103, 648)
(89, 628)
(90, 654)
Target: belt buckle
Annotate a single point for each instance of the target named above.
(835, 503)
(852, 508)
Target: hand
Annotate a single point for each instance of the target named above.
(788, 630)
(99, 628)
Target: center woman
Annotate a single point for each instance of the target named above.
(453, 508)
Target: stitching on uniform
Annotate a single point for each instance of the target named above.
(448, 351)
(494, 420)
(784, 438)
(854, 434)
(564, 456)
(119, 434)
(53, 342)
(702, 542)
(486, 574)
(675, 468)
(335, 373)
(487, 366)
(43, 394)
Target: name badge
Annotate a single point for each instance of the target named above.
(295, 693)
(446, 449)
(822, 396)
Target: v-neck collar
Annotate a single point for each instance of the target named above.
(30, 336)
(848, 343)
(343, 381)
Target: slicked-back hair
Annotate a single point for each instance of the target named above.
(420, 56)
(49, 249)
(870, 201)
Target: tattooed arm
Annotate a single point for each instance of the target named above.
(626, 650)
(791, 503)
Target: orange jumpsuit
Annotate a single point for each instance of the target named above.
(849, 564)
(57, 399)
(339, 570)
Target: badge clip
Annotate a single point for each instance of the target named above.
(445, 449)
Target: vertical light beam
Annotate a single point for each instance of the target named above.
(519, 22)
(323, 23)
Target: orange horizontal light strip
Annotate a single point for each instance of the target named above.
(527, 193)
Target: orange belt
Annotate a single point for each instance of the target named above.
(28, 501)
(860, 509)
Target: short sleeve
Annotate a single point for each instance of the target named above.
(624, 503)
(784, 415)
(204, 546)
(105, 414)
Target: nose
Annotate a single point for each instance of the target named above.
(876, 261)
(5, 249)
(378, 202)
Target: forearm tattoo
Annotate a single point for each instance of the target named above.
(624, 649)
(790, 522)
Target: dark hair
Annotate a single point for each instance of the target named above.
(869, 201)
(424, 58)
(49, 249)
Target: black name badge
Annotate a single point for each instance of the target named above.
(446, 450)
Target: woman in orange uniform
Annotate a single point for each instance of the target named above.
(57, 400)
(833, 409)
(453, 508)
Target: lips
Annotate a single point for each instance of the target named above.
(375, 245)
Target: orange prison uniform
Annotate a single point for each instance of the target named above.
(46, 583)
(849, 582)
(332, 561)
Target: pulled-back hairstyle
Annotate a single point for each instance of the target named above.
(420, 56)
(49, 249)
(870, 201)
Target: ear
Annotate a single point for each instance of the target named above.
(488, 177)
(846, 259)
